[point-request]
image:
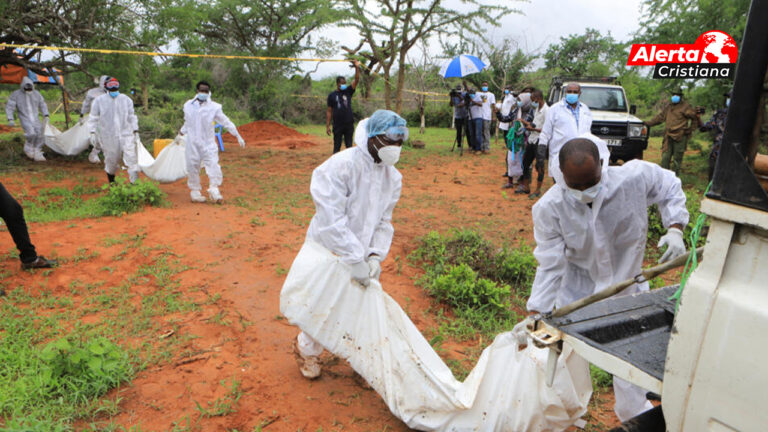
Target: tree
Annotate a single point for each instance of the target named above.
(682, 21)
(268, 28)
(423, 76)
(390, 28)
(588, 54)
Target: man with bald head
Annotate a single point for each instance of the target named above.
(590, 230)
(565, 120)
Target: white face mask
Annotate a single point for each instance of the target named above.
(389, 155)
(587, 195)
(202, 97)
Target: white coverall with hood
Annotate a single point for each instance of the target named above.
(114, 123)
(354, 199)
(559, 127)
(582, 250)
(202, 148)
(29, 105)
(90, 96)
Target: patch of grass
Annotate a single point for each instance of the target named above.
(479, 283)
(224, 405)
(58, 203)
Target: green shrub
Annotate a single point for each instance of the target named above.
(461, 288)
(600, 378)
(78, 371)
(477, 281)
(124, 197)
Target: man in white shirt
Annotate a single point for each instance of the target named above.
(489, 110)
(566, 119)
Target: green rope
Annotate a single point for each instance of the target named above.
(693, 260)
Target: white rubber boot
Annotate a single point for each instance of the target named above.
(215, 195)
(94, 156)
(196, 196)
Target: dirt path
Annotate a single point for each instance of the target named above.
(236, 256)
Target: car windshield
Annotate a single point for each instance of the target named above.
(603, 98)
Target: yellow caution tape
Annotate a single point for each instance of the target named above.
(374, 99)
(220, 56)
(162, 54)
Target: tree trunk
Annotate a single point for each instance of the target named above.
(422, 102)
(145, 97)
(65, 103)
(387, 89)
(400, 83)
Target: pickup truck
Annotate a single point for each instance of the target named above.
(613, 118)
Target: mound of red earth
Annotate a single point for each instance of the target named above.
(6, 129)
(266, 133)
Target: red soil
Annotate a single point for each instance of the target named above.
(266, 133)
(238, 253)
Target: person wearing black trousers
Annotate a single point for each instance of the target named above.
(13, 214)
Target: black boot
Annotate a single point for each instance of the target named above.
(111, 178)
(39, 262)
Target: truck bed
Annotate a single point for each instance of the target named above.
(634, 328)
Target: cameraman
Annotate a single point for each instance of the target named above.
(459, 105)
(475, 104)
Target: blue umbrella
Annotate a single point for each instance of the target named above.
(461, 66)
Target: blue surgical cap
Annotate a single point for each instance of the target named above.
(382, 121)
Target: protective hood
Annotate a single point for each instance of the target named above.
(602, 148)
(25, 81)
(361, 137)
(102, 80)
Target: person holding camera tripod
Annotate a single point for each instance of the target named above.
(475, 103)
(460, 113)
(678, 129)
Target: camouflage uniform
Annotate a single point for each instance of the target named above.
(677, 118)
(716, 125)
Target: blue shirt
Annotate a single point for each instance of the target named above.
(574, 111)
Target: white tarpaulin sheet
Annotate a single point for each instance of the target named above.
(170, 165)
(506, 391)
(69, 143)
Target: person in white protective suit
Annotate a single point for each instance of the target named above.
(566, 119)
(355, 192)
(90, 96)
(29, 104)
(590, 231)
(200, 114)
(114, 124)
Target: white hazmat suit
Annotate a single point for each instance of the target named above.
(29, 105)
(202, 148)
(582, 250)
(114, 123)
(354, 199)
(90, 96)
(559, 127)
